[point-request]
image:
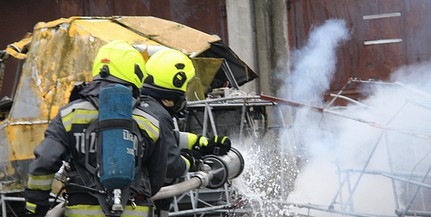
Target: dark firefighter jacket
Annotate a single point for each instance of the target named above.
(176, 166)
(63, 139)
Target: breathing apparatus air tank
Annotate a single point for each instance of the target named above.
(117, 166)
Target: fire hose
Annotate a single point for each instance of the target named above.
(219, 170)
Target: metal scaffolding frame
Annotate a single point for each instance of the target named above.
(226, 199)
(342, 202)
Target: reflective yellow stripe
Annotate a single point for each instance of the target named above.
(203, 141)
(224, 139)
(96, 211)
(151, 130)
(85, 105)
(84, 210)
(129, 211)
(147, 116)
(79, 117)
(30, 207)
(187, 140)
(147, 123)
(86, 114)
(43, 182)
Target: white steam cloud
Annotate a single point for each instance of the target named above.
(359, 158)
(364, 159)
(314, 64)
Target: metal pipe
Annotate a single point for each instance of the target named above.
(402, 212)
(205, 122)
(212, 121)
(208, 209)
(241, 125)
(328, 111)
(223, 99)
(3, 205)
(324, 209)
(408, 181)
(149, 49)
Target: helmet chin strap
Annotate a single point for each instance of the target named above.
(173, 107)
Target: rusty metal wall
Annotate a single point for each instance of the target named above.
(19, 17)
(407, 20)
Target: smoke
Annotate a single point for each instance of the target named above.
(315, 62)
(361, 159)
(349, 154)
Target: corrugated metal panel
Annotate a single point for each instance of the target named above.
(384, 34)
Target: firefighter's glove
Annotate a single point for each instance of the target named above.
(193, 159)
(33, 210)
(217, 145)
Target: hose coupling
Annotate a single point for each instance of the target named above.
(203, 177)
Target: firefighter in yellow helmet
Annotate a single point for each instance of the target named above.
(169, 72)
(116, 62)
